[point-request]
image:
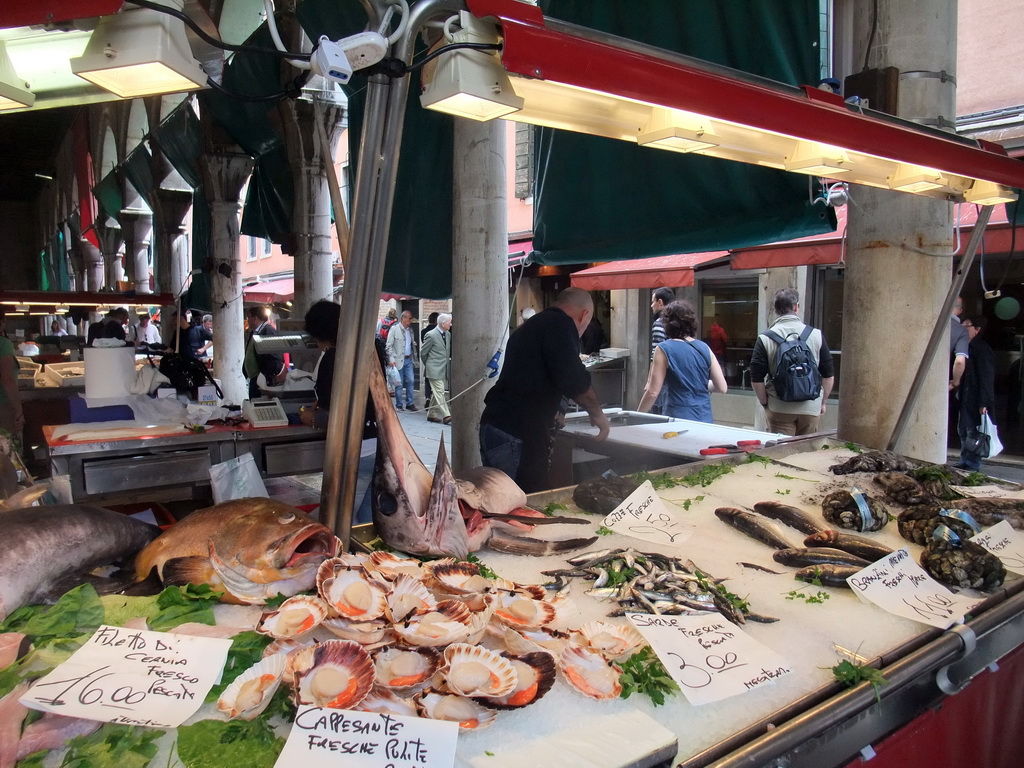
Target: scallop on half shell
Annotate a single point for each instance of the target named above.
(294, 617)
(406, 672)
(535, 674)
(590, 673)
(351, 593)
(611, 640)
(336, 673)
(470, 715)
(250, 693)
(472, 670)
(448, 622)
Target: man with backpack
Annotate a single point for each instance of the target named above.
(791, 370)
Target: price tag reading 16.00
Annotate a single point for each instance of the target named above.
(133, 677)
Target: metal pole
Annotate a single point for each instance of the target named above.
(940, 325)
(371, 220)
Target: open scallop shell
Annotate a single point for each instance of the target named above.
(458, 578)
(535, 674)
(612, 641)
(523, 641)
(589, 673)
(472, 670)
(390, 566)
(469, 714)
(522, 612)
(408, 596)
(448, 622)
(387, 703)
(336, 674)
(406, 672)
(294, 617)
(353, 594)
(250, 693)
(284, 646)
(369, 634)
(533, 591)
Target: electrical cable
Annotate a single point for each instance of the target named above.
(287, 93)
(871, 38)
(402, 25)
(454, 46)
(1013, 241)
(275, 35)
(187, 20)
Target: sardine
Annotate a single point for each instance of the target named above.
(752, 525)
(791, 516)
(49, 548)
(756, 567)
(828, 575)
(848, 542)
(801, 556)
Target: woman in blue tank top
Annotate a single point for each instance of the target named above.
(685, 366)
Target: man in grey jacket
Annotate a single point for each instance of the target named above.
(435, 354)
(401, 346)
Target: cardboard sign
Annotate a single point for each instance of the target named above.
(1005, 543)
(899, 585)
(709, 657)
(133, 677)
(643, 515)
(327, 738)
(987, 492)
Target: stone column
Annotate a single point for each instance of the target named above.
(137, 226)
(92, 266)
(479, 275)
(311, 216)
(110, 246)
(172, 257)
(224, 175)
(896, 275)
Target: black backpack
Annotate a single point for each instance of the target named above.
(796, 377)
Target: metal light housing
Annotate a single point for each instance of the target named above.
(14, 92)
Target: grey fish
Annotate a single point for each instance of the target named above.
(756, 567)
(791, 516)
(444, 514)
(801, 556)
(828, 575)
(753, 526)
(848, 542)
(51, 545)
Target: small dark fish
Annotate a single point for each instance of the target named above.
(756, 567)
(791, 516)
(848, 542)
(761, 618)
(752, 525)
(801, 556)
(829, 575)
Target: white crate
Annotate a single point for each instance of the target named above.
(614, 352)
(66, 374)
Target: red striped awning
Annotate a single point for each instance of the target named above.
(658, 272)
(270, 292)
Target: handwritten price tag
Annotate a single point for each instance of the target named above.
(327, 738)
(133, 677)
(643, 515)
(899, 585)
(710, 658)
(1005, 543)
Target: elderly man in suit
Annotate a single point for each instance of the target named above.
(435, 354)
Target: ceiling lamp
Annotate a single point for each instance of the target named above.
(675, 131)
(916, 178)
(817, 160)
(139, 52)
(987, 193)
(62, 309)
(470, 83)
(14, 92)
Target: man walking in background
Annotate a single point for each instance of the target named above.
(789, 417)
(401, 347)
(977, 390)
(435, 354)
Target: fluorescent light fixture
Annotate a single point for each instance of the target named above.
(22, 308)
(470, 83)
(62, 309)
(675, 131)
(817, 159)
(139, 52)
(14, 92)
(917, 178)
(988, 193)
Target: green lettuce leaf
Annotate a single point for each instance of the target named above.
(216, 744)
(77, 612)
(246, 649)
(179, 605)
(120, 746)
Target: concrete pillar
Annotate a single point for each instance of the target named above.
(172, 257)
(893, 290)
(92, 266)
(224, 175)
(137, 227)
(479, 275)
(110, 246)
(631, 329)
(311, 215)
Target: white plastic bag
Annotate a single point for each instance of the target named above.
(995, 447)
(236, 478)
(394, 379)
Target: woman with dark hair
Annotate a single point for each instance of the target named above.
(685, 366)
(322, 321)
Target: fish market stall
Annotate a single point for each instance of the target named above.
(642, 441)
(118, 460)
(794, 709)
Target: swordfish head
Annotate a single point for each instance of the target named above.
(412, 511)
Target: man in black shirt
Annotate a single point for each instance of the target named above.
(542, 364)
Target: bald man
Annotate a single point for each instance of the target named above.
(542, 365)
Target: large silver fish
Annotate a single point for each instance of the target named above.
(439, 514)
(51, 546)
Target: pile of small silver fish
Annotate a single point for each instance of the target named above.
(648, 582)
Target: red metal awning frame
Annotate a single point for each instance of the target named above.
(532, 48)
(658, 272)
(24, 13)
